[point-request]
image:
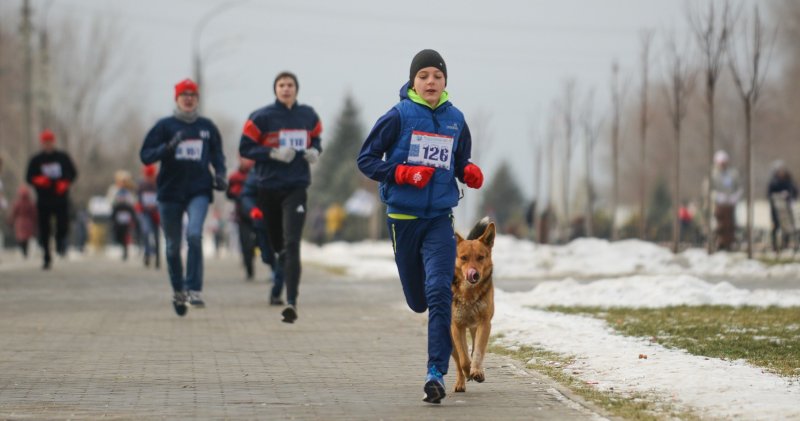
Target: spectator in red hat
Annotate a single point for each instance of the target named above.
(51, 172)
(185, 144)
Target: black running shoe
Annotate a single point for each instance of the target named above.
(179, 302)
(47, 262)
(275, 301)
(289, 314)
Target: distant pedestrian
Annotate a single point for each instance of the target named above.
(416, 151)
(23, 219)
(123, 220)
(147, 215)
(334, 221)
(781, 193)
(726, 191)
(81, 226)
(3, 201)
(186, 144)
(51, 172)
(247, 237)
(283, 138)
(248, 198)
(686, 218)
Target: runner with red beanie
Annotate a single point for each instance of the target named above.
(186, 144)
(51, 172)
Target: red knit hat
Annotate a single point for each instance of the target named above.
(186, 85)
(47, 135)
(149, 170)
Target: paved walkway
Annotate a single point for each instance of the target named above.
(97, 338)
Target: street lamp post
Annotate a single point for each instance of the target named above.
(197, 61)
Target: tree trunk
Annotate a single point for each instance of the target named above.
(709, 198)
(749, 169)
(676, 223)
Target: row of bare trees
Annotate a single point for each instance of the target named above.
(725, 41)
(75, 80)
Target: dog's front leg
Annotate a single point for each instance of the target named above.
(460, 356)
(481, 341)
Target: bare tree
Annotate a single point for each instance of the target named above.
(711, 33)
(617, 98)
(591, 131)
(567, 111)
(748, 63)
(646, 41)
(679, 86)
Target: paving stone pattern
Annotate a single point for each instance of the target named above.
(96, 338)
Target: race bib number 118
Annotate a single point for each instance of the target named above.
(430, 149)
(295, 139)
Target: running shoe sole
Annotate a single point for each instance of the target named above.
(434, 392)
(289, 315)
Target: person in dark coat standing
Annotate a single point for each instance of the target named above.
(781, 193)
(51, 172)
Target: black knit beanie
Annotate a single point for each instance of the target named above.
(282, 75)
(423, 59)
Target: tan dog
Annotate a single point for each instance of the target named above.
(473, 301)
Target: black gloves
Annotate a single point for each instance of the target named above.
(173, 143)
(220, 183)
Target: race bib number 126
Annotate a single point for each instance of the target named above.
(430, 149)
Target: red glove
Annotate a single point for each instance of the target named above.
(61, 187)
(256, 214)
(473, 176)
(235, 189)
(41, 181)
(417, 176)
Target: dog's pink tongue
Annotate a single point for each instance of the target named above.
(472, 275)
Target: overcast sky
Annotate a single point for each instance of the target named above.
(507, 60)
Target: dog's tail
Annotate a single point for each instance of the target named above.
(479, 228)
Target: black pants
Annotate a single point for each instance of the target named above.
(46, 214)
(247, 242)
(285, 214)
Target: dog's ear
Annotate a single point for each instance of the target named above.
(459, 239)
(488, 235)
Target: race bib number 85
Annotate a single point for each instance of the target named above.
(430, 149)
(296, 139)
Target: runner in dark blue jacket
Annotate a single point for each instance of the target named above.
(186, 144)
(416, 151)
(283, 139)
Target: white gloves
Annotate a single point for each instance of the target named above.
(311, 155)
(283, 154)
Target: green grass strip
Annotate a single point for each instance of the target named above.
(765, 337)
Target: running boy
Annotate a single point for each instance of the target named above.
(427, 145)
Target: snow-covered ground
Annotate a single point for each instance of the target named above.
(626, 274)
